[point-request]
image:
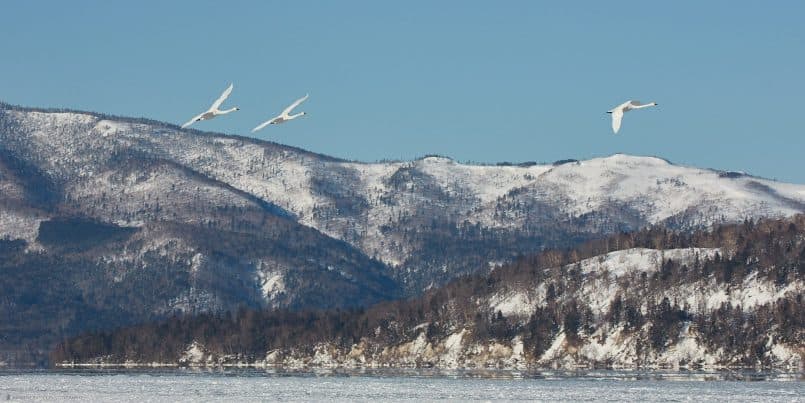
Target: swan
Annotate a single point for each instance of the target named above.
(214, 111)
(284, 116)
(618, 111)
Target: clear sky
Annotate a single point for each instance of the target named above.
(477, 81)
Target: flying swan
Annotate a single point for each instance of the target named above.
(284, 116)
(213, 111)
(618, 111)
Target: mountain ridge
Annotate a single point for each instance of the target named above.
(350, 200)
(376, 207)
(260, 141)
(381, 230)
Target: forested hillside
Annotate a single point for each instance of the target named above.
(731, 297)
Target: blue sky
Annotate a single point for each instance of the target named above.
(477, 81)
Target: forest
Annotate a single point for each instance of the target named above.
(767, 250)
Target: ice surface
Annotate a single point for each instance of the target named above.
(251, 385)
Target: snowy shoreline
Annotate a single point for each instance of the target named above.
(349, 366)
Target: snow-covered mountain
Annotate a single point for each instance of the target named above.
(214, 221)
(428, 220)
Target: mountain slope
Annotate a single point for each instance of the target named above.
(95, 237)
(429, 219)
(731, 297)
(92, 276)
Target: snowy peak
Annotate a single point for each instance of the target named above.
(632, 160)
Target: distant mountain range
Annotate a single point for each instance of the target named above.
(110, 221)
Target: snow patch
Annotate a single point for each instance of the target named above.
(451, 349)
(636, 260)
(517, 304)
(193, 355)
(17, 225)
(271, 280)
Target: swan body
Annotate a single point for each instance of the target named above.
(618, 111)
(284, 116)
(214, 110)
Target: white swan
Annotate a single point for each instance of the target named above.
(284, 116)
(618, 111)
(213, 111)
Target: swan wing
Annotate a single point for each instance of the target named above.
(264, 124)
(617, 115)
(622, 107)
(222, 98)
(295, 104)
(191, 121)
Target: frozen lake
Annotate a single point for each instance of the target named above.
(410, 385)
